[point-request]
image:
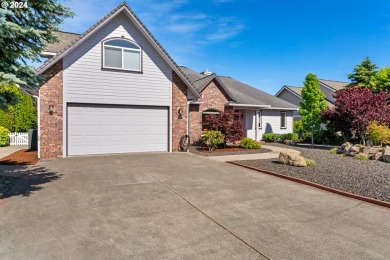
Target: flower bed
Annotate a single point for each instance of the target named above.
(230, 150)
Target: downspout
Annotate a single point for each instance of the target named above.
(39, 124)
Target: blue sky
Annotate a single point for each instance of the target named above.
(266, 44)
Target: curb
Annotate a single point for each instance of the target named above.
(319, 186)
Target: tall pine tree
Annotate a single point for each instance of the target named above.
(313, 103)
(364, 74)
(24, 32)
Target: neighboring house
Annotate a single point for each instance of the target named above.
(114, 89)
(294, 94)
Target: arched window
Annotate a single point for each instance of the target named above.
(122, 54)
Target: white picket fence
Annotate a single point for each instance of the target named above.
(18, 138)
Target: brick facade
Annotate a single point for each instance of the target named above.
(213, 97)
(51, 127)
(179, 100)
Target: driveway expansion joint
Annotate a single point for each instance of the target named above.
(207, 216)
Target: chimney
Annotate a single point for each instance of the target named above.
(206, 72)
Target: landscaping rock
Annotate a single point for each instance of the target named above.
(370, 150)
(344, 148)
(355, 149)
(375, 156)
(386, 154)
(292, 158)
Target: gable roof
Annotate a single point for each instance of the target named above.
(297, 91)
(64, 39)
(241, 93)
(137, 22)
(336, 85)
(200, 81)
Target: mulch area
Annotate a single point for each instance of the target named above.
(21, 157)
(233, 150)
(366, 178)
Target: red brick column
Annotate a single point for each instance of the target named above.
(51, 128)
(179, 100)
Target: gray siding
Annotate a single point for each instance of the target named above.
(328, 93)
(86, 82)
(290, 97)
(270, 123)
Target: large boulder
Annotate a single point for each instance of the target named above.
(292, 158)
(386, 154)
(370, 150)
(344, 148)
(355, 149)
(375, 156)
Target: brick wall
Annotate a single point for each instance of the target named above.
(179, 100)
(212, 97)
(51, 125)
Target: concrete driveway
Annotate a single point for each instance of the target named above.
(174, 206)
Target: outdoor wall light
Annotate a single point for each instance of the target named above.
(51, 109)
(180, 111)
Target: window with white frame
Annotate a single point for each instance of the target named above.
(122, 54)
(283, 120)
(259, 119)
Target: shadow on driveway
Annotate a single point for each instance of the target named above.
(31, 179)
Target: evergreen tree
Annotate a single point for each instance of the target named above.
(24, 32)
(364, 74)
(313, 103)
(382, 80)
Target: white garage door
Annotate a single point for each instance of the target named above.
(104, 129)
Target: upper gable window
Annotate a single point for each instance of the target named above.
(122, 54)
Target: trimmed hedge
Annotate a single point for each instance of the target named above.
(249, 143)
(270, 137)
(290, 136)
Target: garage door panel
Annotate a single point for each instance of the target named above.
(102, 129)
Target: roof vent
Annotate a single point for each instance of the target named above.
(206, 72)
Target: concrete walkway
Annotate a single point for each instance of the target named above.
(181, 206)
(242, 157)
(7, 150)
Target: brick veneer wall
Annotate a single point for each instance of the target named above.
(212, 97)
(51, 127)
(179, 100)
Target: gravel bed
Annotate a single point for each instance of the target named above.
(367, 178)
(220, 152)
(7, 183)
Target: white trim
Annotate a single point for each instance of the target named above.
(326, 86)
(108, 46)
(285, 119)
(288, 89)
(48, 54)
(248, 105)
(259, 117)
(284, 108)
(39, 124)
(141, 29)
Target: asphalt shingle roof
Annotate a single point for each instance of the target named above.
(240, 92)
(296, 90)
(65, 39)
(336, 85)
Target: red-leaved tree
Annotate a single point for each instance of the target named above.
(355, 108)
(227, 123)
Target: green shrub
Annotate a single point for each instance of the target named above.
(333, 151)
(379, 133)
(298, 127)
(213, 138)
(4, 138)
(249, 143)
(290, 136)
(361, 156)
(270, 137)
(310, 162)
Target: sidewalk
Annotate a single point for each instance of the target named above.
(7, 150)
(242, 157)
